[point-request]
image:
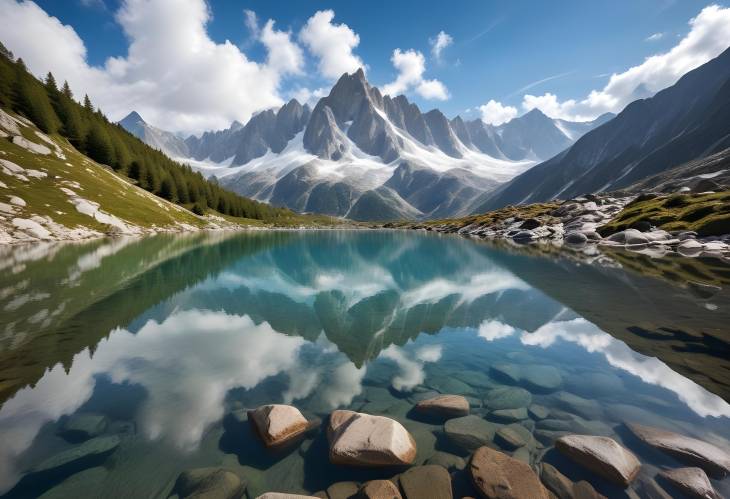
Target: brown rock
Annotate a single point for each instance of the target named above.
(565, 488)
(363, 440)
(602, 455)
(379, 489)
(498, 476)
(342, 490)
(556, 482)
(715, 461)
(451, 406)
(691, 481)
(278, 424)
(426, 482)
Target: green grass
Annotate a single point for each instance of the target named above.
(707, 214)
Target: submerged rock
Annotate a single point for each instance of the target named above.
(512, 437)
(84, 426)
(449, 461)
(538, 412)
(278, 424)
(469, 432)
(508, 415)
(507, 397)
(209, 483)
(379, 489)
(95, 447)
(691, 481)
(563, 487)
(713, 460)
(542, 379)
(363, 440)
(498, 476)
(602, 455)
(426, 482)
(449, 406)
(342, 490)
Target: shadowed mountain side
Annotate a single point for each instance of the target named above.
(682, 328)
(87, 302)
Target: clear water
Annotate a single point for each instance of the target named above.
(172, 337)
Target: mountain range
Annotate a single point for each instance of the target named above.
(687, 121)
(367, 156)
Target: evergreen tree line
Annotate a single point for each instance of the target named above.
(54, 110)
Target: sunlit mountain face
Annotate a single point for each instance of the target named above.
(182, 334)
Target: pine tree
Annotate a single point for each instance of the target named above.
(87, 104)
(6, 53)
(167, 189)
(51, 84)
(99, 146)
(72, 125)
(66, 90)
(33, 102)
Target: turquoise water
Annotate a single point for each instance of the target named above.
(166, 341)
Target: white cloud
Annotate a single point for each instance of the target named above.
(411, 365)
(709, 35)
(332, 44)
(252, 22)
(307, 96)
(173, 74)
(495, 113)
(411, 65)
(439, 43)
(284, 56)
(654, 37)
(492, 330)
(649, 369)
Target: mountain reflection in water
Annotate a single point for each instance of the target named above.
(183, 326)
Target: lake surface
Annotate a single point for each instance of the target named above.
(166, 341)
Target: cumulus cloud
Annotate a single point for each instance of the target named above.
(439, 43)
(411, 64)
(174, 74)
(495, 113)
(332, 44)
(492, 330)
(707, 38)
(284, 56)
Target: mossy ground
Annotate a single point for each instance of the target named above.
(707, 214)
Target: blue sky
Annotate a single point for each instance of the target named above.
(498, 48)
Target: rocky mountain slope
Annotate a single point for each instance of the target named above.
(684, 122)
(155, 137)
(367, 156)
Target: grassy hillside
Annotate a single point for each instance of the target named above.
(59, 191)
(56, 113)
(707, 214)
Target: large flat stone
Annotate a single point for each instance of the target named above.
(447, 406)
(602, 455)
(691, 481)
(379, 489)
(363, 440)
(714, 460)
